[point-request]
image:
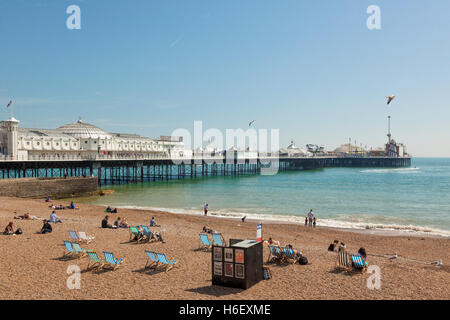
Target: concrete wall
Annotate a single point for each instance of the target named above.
(43, 187)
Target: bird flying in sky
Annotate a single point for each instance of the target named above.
(390, 98)
(251, 122)
(9, 104)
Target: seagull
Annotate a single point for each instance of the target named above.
(251, 122)
(390, 98)
(438, 263)
(395, 256)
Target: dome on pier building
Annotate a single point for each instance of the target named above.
(84, 130)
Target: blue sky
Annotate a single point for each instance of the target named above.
(310, 68)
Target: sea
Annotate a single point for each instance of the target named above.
(409, 200)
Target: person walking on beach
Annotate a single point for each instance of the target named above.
(310, 217)
(205, 209)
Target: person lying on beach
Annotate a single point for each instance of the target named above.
(333, 245)
(46, 227)
(27, 216)
(153, 223)
(105, 223)
(54, 218)
(111, 210)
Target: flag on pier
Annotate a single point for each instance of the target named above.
(259, 232)
(9, 104)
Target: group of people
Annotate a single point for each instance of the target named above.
(338, 247)
(310, 219)
(10, 230)
(61, 207)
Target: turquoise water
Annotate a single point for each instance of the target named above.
(413, 199)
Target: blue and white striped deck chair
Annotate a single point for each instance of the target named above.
(358, 262)
(217, 240)
(152, 261)
(69, 248)
(79, 250)
(169, 263)
(206, 244)
(148, 234)
(74, 235)
(343, 262)
(112, 262)
(97, 263)
(289, 255)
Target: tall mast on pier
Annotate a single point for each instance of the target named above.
(389, 129)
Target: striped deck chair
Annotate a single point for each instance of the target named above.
(74, 235)
(135, 235)
(79, 250)
(276, 254)
(85, 238)
(217, 240)
(343, 262)
(206, 244)
(69, 248)
(169, 263)
(289, 255)
(358, 262)
(112, 262)
(149, 236)
(152, 260)
(97, 263)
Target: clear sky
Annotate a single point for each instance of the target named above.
(310, 68)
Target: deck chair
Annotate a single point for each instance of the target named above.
(289, 255)
(69, 248)
(206, 244)
(79, 250)
(152, 260)
(358, 262)
(112, 262)
(218, 240)
(276, 254)
(169, 263)
(74, 235)
(134, 234)
(149, 236)
(97, 263)
(85, 238)
(343, 262)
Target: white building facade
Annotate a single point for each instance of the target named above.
(81, 141)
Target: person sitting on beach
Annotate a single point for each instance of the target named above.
(272, 242)
(114, 210)
(121, 223)
(105, 223)
(46, 227)
(153, 223)
(362, 252)
(9, 229)
(296, 253)
(47, 199)
(342, 247)
(333, 245)
(72, 205)
(207, 229)
(159, 237)
(54, 218)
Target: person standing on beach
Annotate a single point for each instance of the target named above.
(205, 209)
(310, 217)
(314, 222)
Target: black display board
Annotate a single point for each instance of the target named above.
(239, 266)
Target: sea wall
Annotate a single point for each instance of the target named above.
(53, 187)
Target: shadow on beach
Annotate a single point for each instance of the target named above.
(216, 291)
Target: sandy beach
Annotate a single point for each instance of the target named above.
(30, 267)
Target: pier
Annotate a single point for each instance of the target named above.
(124, 171)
